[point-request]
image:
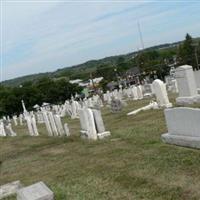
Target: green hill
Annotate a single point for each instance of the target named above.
(83, 70)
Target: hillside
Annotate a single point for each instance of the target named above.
(84, 69)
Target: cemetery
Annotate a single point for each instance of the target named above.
(137, 142)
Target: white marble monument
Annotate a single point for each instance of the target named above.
(183, 126)
(161, 94)
(186, 85)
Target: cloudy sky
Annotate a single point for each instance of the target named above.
(40, 36)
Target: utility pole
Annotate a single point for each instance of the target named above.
(196, 56)
(140, 33)
(93, 85)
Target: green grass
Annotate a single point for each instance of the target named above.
(132, 164)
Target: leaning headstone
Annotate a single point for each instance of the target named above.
(186, 85)
(100, 128)
(2, 129)
(15, 120)
(59, 125)
(183, 127)
(47, 123)
(31, 124)
(9, 189)
(92, 133)
(53, 124)
(161, 94)
(92, 126)
(10, 130)
(37, 191)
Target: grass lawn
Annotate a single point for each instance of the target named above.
(132, 164)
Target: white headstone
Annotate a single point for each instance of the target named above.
(183, 127)
(186, 85)
(161, 94)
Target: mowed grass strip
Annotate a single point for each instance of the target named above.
(132, 164)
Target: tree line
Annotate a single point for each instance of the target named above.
(43, 90)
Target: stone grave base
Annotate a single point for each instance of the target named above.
(188, 100)
(103, 135)
(169, 105)
(185, 141)
(84, 134)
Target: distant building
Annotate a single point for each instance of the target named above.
(76, 81)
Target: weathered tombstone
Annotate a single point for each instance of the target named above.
(52, 123)
(59, 125)
(116, 105)
(186, 85)
(37, 191)
(84, 123)
(197, 78)
(147, 90)
(92, 126)
(2, 129)
(139, 92)
(21, 119)
(74, 109)
(92, 133)
(31, 124)
(183, 127)
(10, 130)
(66, 128)
(174, 86)
(161, 94)
(9, 189)
(47, 123)
(34, 126)
(134, 93)
(15, 120)
(100, 128)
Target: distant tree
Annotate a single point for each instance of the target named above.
(186, 52)
(43, 90)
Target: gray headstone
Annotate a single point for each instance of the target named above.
(116, 105)
(183, 127)
(98, 121)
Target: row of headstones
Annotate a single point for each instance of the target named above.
(92, 126)
(6, 129)
(132, 92)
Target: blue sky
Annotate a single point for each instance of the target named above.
(41, 36)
